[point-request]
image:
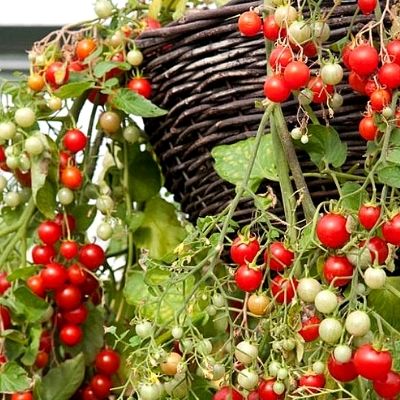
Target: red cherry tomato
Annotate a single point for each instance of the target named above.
(331, 230)
(391, 230)
(107, 362)
(68, 298)
(76, 275)
(249, 23)
(319, 89)
(88, 394)
(393, 49)
(338, 269)
(367, 128)
(276, 89)
(346, 54)
(364, 59)
(310, 49)
(43, 254)
(296, 75)
(248, 279)
(54, 276)
(370, 87)
(4, 283)
(66, 159)
(266, 390)
(101, 385)
(75, 66)
(280, 57)
(35, 284)
(357, 83)
(57, 74)
(309, 329)
(342, 372)
(71, 177)
(69, 249)
(90, 285)
(71, 335)
(379, 99)
(84, 48)
(312, 382)
(77, 316)
(141, 86)
(388, 387)
(283, 289)
(74, 140)
(277, 257)
(389, 75)
(46, 342)
(369, 215)
(244, 250)
(367, 6)
(91, 256)
(371, 363)
(5, 318)
(66, 221)
(22, 396)
(272, 31)
(42, 359)
(96, 97)
(377, 248)
(49, 232)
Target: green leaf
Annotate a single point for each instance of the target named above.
(21, 273)
(393, 154)
(390, 175)
(156, 276)
(145, 177)
(160, 231)
(133, 103)
(45, 199)
(325, 146)
(231, 161)
(135, 220)
(354, 197)
(93, 335)
(135, 289)
(338, 45)
(61, 382)
(31, 352)
(73, 89)
(13, 378)
(32, 307)
(84, 215)
(384, 302)
(103, 67)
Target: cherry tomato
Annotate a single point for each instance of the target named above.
(49, 232)
(371, 363)
(319, 89)
(391, 230)
(91, 256)
(69, 249)
(364, 59)
(377, 248)
(68, 298)
(388, 387)
(296, 75)
(379, 99)
(96, 97)
(42, 359)
(370, 87)
(54, 276)
(65, 221)
(249, 23)
(389, 75)
(76, 275)
(253, 395)
(43, 254)
(4, 283)
(280, 57)
(342, 372)
(309, 329)
(331, 230)
(74, 140)
(101, 385)
(77, 316)
(271, 29)
(35, 284)
(277, 257)
(310, 49)
(71, 335)
(244, 250)
(107, 362)
(151, 23)
(84, 48)
(90, 285)
(266, 390)
(71, 177)
(346, 54)
(36, 82)
(75, 66)
(46, 341)
(338, 269)
(276, 89)
(357, 83)
(88, 394)
(56, 74)
(258, 304)
(22, 396)
(227, 393)
(393, 49)
(283, 289)
(312, 382)
(367, 6)
(141, 86)
(5, 318)
(367, 128)
(66, 159)
(248, 279)
(110, 122)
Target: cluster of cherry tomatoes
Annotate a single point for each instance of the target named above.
(352, 247)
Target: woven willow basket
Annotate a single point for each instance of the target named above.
(209, 78)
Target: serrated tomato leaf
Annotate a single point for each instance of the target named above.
(73, 89)
(13, 378)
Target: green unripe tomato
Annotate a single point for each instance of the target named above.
(65, 196)
(104, 231)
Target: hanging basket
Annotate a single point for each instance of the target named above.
(209, 77)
